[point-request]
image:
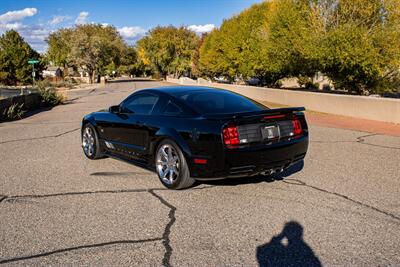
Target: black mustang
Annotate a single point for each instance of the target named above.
(191, 133)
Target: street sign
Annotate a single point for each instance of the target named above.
(32, 62)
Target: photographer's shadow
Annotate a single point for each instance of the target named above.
(287, 249)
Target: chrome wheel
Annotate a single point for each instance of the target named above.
(88, 141)
(168, 163)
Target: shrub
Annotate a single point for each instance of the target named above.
(307, 82)
(42, 84)
(277, 84)
(15, 111)
(51, 97)
(303, 80)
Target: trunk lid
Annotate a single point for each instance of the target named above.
(267, 126)
(249, 115)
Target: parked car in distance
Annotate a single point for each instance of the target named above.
(190, 133)
(253, 81)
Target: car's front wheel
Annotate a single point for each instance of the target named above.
(90, 142)
(171, 166)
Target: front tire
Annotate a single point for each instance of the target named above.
(171, 166)
(90, 142)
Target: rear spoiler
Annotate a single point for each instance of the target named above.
(245, 115)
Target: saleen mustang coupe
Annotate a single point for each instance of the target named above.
(190, 133)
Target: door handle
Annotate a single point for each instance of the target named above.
(139, 123)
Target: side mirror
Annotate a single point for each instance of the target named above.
(114, 109)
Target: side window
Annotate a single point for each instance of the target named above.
(172, 109)
(141, 104)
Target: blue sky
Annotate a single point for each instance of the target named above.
(35, 19)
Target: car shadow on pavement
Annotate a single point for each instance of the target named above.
(287, 249)
(297, 167)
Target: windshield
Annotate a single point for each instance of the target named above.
(218, 102)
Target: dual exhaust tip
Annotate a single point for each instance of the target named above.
(272, 171)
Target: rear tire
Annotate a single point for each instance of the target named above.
(171, 166)
(90, 142)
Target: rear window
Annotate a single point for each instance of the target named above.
(218, 102)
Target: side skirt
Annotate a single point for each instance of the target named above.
(138, 163)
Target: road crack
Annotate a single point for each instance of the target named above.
(10, 198)
(42, 137)
(165, 238)
(64, 250)
(167, 231)
(301, 183)
(359, 140)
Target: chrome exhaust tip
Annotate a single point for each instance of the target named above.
(267, 172)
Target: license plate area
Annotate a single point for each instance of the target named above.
(270, 132)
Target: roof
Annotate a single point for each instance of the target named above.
(52, 68)
(177, 89)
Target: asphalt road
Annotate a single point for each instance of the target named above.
(59, 208)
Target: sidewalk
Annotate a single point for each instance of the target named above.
(349, 123)
(362, 125)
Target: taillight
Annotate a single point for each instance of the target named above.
(231, 136)
(297, 130)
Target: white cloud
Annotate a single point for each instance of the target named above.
(17, 15)
(201, 28)
(131, 32)
(34, 34)
(58, 19)
(10, 26)
(82, 17)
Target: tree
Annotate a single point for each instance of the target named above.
(360, 48)
(14, 56)
(238, 49)
(168, 50)
(95, 46)
(59, 48)
(353, 42)
(213, 62)
(196, 69)
(293, 38)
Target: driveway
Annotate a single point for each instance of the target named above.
(341, 207)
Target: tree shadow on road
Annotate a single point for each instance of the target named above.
(287, 249)
(297, 167)
(29, 113)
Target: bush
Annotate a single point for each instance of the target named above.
(303, 80)
(15, 111)
(41, 84)
(277, 84)
(50, 97)
(307, 82)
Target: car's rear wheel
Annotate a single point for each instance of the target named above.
(171, 166)
(90, 142)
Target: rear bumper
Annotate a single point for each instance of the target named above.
(251, 161)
